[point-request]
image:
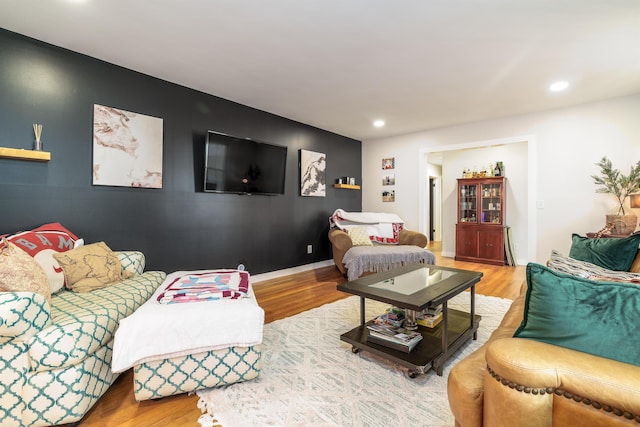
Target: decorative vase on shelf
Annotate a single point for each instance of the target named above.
(622, 224)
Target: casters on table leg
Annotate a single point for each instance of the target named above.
(412, 374)
(355, 350)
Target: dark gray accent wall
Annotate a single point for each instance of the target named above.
(178, 227)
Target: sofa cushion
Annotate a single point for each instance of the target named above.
(132, 263)
(21, 273)
(84, 322)
(359, 236)
(599, 318)
(90, 267)
(44, 241)
(608, 252)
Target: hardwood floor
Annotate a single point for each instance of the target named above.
(281, 297)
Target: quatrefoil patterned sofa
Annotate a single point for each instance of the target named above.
(55, 358)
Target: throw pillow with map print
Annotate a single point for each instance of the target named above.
(41, 243)
(90, 267)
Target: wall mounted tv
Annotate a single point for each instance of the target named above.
(243, 166)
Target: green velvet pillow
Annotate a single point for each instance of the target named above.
(608, 252)
(599, 318)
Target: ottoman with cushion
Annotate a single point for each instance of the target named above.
(200, 329)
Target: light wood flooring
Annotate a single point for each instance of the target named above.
(281, 297)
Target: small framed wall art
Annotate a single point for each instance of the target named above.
(389, 163)
(389, 196)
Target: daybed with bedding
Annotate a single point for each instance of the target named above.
(200, 329)
(369, 242)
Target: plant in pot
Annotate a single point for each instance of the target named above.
(612, 181)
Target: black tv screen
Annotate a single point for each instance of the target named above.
(243, 166)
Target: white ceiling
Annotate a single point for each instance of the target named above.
(340, 64)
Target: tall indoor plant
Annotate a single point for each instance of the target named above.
(612, 181)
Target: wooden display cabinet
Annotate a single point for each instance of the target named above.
(481, 214)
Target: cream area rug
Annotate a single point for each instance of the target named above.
(311, 378)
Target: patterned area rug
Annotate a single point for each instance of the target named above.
(311, 378)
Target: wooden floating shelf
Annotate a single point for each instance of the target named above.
(20, 154)
(347, 186)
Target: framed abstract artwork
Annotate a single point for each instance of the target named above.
(313, 168)
(127, 148)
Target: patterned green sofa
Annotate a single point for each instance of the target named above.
(56, 362)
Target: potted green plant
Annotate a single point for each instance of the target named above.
(612, 181)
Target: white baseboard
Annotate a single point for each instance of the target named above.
(288, 271)
(448, 254)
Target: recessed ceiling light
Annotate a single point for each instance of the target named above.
(378, 123)
(559, 86)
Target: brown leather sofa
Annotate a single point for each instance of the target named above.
(520, 382)
(341, 243)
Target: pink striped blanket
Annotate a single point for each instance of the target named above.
(206, 286)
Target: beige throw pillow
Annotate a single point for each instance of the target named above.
(90, 267)
(359, 236)
(19, 272)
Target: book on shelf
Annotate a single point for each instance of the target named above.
(429, 320)
(393, 336)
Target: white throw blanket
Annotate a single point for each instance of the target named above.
(381, 227)
(157, 331)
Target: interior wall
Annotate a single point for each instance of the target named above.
(569, 141)
(178, 226)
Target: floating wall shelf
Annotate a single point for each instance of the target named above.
(347, 186)
(20, 154)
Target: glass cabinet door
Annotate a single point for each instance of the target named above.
(467, 203)
(490, 199)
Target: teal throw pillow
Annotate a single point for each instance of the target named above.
(608, 252)
(599, 318)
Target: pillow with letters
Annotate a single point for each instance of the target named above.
(41, 243)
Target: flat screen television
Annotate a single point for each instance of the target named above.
(243, 166)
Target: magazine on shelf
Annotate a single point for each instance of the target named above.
(386, 341)
(394, 337)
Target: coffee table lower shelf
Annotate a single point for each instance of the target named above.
(428, 354)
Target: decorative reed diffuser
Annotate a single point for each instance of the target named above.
(37, 130)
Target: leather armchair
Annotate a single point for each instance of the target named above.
(341, 243)
(525, 383)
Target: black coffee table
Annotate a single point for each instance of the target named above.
(417, 287)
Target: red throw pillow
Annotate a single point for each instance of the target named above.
(41, 243)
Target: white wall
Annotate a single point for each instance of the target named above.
(566, 143)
